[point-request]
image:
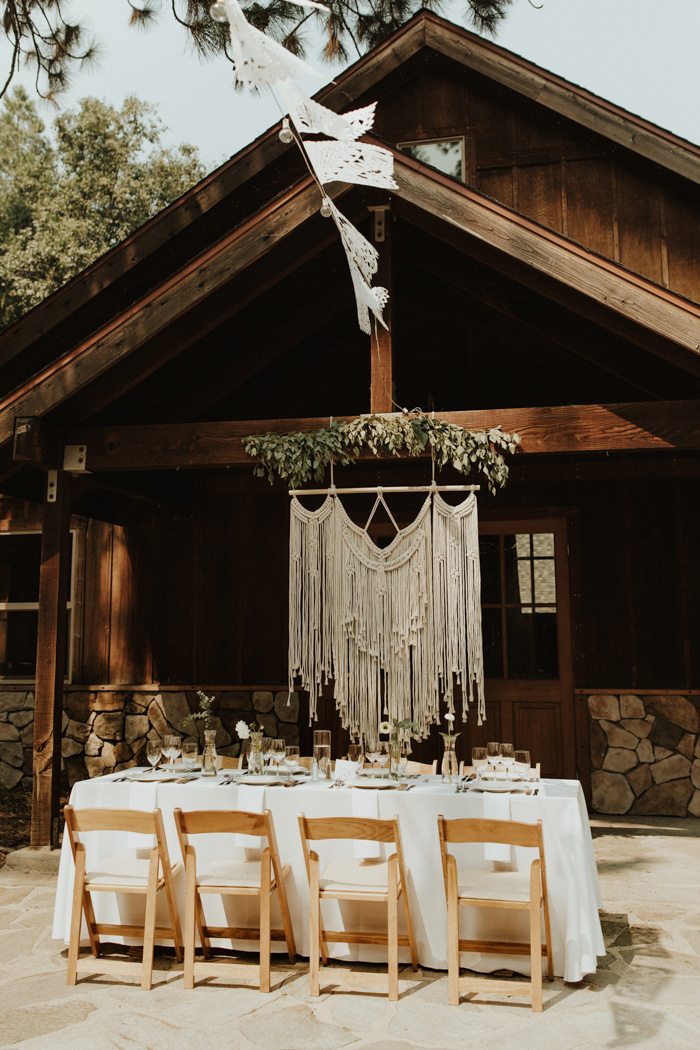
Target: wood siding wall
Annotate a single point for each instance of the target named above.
(555, 172)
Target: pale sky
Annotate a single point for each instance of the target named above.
(639, 54)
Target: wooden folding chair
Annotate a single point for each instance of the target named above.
(232, 878)
(120, 875)
(496, 889)
(355, 880)
(422, 767)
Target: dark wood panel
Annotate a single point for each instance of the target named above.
(682, 220)
(589, 204)
(638, 206)
(98, 596)
(539, 194)
(175, 610)
(130, 653)
(538, 728)
(498, 184)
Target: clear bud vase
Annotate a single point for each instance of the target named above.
(255, 761)
(449, 758)
(210, 759)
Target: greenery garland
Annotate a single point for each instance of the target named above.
(297, 458)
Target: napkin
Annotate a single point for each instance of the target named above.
(366, 804)
(497, 807)
(251, 798)
(344, 768)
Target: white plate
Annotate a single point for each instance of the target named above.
(152, 774)
(259, 779)
(376, 785)
(496, 785)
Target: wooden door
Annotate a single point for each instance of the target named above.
(527, 642)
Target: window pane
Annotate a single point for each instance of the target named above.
(493, 642)
(532, 643)
(543, 544)
(545, 583)
(18, 644)
(446, 156)
(489, 553)
(20, 555)
(517, 555)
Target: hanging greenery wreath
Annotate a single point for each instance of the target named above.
(297, 458)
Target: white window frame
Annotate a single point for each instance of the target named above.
(34, 606)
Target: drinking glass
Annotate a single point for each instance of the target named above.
(267, 749)
(322, 754)
(291, 760)
(507, 757)
(372, 749)
(522, 764)
(190, 754)
(493, 752)
(171, 748)
(383, 755)
(479, 760)
(402, 760)
(278, 749)
(154, 750)
(355, 756)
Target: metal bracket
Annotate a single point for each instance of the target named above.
(380, 211)
(74, 458)
(51, 485)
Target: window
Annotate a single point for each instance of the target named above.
(519, 605)
(20, 559)
(447, 155)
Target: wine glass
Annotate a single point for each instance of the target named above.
(507, 757)
(479, 760)
(383, 755)
(171, 749)
(154, 750)
(266, 751)
(372, 749)
(190, 754)
(493, 753)
(278, 749)
(355, 755)
(322, 754)
(291, 760)
(522, 764)
(402, 759)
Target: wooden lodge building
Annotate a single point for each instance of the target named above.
(542, 256)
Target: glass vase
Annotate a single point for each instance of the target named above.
(210, 759)
(255, 759)
(449, 758)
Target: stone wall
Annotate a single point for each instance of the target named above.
(645, 754)
(105, 731)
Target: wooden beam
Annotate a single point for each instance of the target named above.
(54, 579)
(570, 428)
(162, 307)
(37, 443)
(382, 366)
(650, 316)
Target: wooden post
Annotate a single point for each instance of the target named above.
(54, 579)
(382, 382)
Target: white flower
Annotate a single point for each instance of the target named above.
(449, 718)
(243, 730)
(384, 727)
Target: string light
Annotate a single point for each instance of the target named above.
(326, 209)
(286, 133)
(218, 12)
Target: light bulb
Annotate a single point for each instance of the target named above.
(218, 12)
(286, 133)
(326, 209)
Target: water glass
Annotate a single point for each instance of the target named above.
(383, 755)
(507, 757)
(190, 754)
(355, 755)
(479, 760)
(291, 760)
(493, 752)
(372, 749)
(278, 749)
(172, 746)
(266, 751)
(154, 750)
(522, 764)
(322, 754)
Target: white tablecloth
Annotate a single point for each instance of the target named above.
(574, 894)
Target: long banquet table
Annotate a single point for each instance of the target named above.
(574, 894)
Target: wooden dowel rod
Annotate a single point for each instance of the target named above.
(376, 489)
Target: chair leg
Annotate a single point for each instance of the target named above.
(192, 906)
(76, 920)
(286, 917)
(452, 933)
(393, 931)
(174, 914)
(535, 939)
(409, 929)
(149, 925)
(265, 894)
(314, 926)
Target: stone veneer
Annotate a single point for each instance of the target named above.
(105, 731)
(645, 754)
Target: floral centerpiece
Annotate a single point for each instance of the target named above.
(449, 758)
(210, 759)
(252, 731)
(399, 729)
(206, 710)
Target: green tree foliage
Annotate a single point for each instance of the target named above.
(66, 200)
(40, 35)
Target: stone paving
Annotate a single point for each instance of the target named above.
(646, 992)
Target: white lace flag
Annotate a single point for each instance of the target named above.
(362, 251)
(351, 162)
(259, 60)
(311, 117)
(309, 3)
(367, 298)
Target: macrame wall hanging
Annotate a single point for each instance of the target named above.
(395, 628)
(261, 62)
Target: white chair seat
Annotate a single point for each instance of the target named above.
(122, 871)
(494, 885)
(355, 876)
(230, 873)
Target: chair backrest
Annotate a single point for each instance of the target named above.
(228, 762)
(228, 822)
(374, 829)
(478, 829)
(135, 821)
(422, 767)
(307, 762)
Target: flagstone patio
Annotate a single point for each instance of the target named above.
(646, 992)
